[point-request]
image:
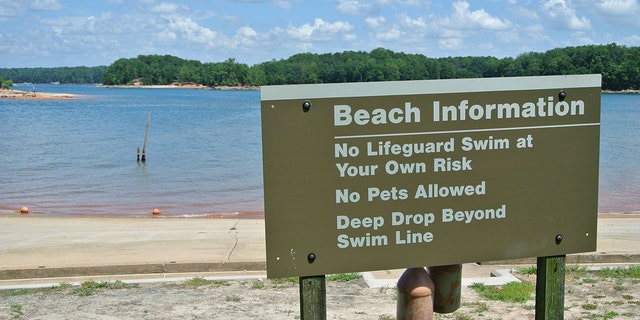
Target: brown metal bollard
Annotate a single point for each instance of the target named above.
(415, 295)
(448, 284)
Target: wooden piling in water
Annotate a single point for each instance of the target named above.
(144, 145)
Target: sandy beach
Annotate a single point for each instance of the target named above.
(50, 246)
(28, 95)
(32, 242)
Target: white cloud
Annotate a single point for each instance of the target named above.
(374, 7)
(563, 15)
(450, 43)
(319, 31)
(389, 35)
(478, 19)
(280, 3)
(245, 37)
(633, 40)
(581, 38)
(10, 9)
(510, 36)
(375, 22)
(619, 7)
(284, 3)
(355, 7)
(536, 33)
(45, 5)
(246, 31)
(166, 7)
(411, 23)
(192, 31)
(622, 13)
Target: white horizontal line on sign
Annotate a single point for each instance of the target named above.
(423, 133)
(391, 88)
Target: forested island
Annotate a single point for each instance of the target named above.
(619, 66)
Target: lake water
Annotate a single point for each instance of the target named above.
(78, 157)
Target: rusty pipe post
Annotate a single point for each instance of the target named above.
(448, 284)
(415, 295)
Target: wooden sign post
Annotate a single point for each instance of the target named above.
(550, 288)
(313, 298)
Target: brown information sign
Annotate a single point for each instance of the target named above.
(370, 176)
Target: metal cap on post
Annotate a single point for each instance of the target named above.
(415, 295)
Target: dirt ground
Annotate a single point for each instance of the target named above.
(588, 296)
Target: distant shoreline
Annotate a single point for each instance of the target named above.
(35, 95)
(627, 91)
(180, 86)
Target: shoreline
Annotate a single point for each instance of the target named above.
(181, 86)
(12, 94)
(28, 95)
(243, 215)
(626, 91)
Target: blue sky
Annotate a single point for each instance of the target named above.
(51, 33)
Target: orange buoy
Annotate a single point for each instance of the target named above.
(156, 211)
(24, 210)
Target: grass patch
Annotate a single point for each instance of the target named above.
(196, 282)
(16, 311)
(478, 307)
(94, 284)
(257, 285)
(199, 282)
(510, 292)
(18, 292)
(576, 271)
(344, 277)
(619, 285)
(89, 288)
(86, 288)
(61, 286)
(286, 280)
(620, 272)
(531, 270)
(610, 315)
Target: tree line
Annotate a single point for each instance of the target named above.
(617, 64)
(59, 74)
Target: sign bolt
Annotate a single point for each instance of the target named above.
(562, 95)
(558, 239)
(311, 257)
(306, 106)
